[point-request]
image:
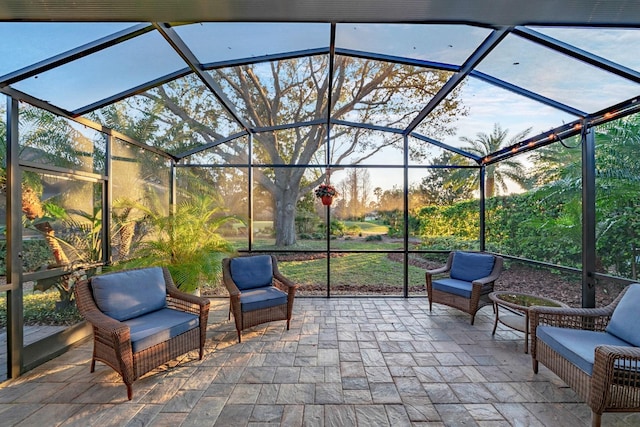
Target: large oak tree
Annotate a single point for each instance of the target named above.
(291, 91)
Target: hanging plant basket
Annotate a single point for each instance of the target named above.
(326, 193)
(326, 200)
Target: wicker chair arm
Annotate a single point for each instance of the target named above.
(231, 288)
(108, 325)
(92, 314)
(277, 275)
(179, 298)
(110, 330)
(566, 317)
(609, 354)
(617, 365)
(288, 283)
(190, 298)
(440, 270)
(292, 292)
(183, 301)
(486, 280)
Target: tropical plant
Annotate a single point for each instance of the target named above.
(497, 174)
(186, 241)
(82, 241)
(617, 187)
(557, 161)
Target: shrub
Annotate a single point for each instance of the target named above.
(373, 238)
(338, 228)
(353, 230)
(40, 309)
(35, 254)
(449, 243)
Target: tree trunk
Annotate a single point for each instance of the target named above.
(285, 217)
(126, 237)
(125, 234)
(32, 208)
(490, 186)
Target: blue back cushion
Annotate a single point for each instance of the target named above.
(128, 294)
(623, 321)
(252, 271)
(471, 266)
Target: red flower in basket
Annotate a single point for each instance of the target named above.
(326, 192)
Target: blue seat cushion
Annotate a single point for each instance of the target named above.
(623, 321)
(469, 266)
(252, 271)
(576, 345)
(128, 294)
(453, 286)
(265, 297)
(159, 326)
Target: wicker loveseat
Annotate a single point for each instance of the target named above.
(594, 350)
(470, 281)
(140, 320)
(258, 292)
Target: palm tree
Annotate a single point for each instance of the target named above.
(497, 174)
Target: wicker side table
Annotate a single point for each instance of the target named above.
(517, 305)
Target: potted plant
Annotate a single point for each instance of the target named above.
(326, 193)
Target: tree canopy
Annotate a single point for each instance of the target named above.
(186, 116)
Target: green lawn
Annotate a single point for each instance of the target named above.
(351, 269)
(262, 242)
(368, 227)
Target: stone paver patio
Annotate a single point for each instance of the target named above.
(345, 362)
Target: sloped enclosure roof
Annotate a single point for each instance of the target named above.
(550, 65)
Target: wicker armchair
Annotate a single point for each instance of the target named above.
(594, 350)
(258, 292)
(140, 320)
(471, 279)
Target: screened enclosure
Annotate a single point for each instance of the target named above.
(520, 140)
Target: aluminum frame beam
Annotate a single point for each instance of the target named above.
(588, 217)
(187, 55)
(130, 92)
(15, 313)
(496, 12)
(478, 55)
